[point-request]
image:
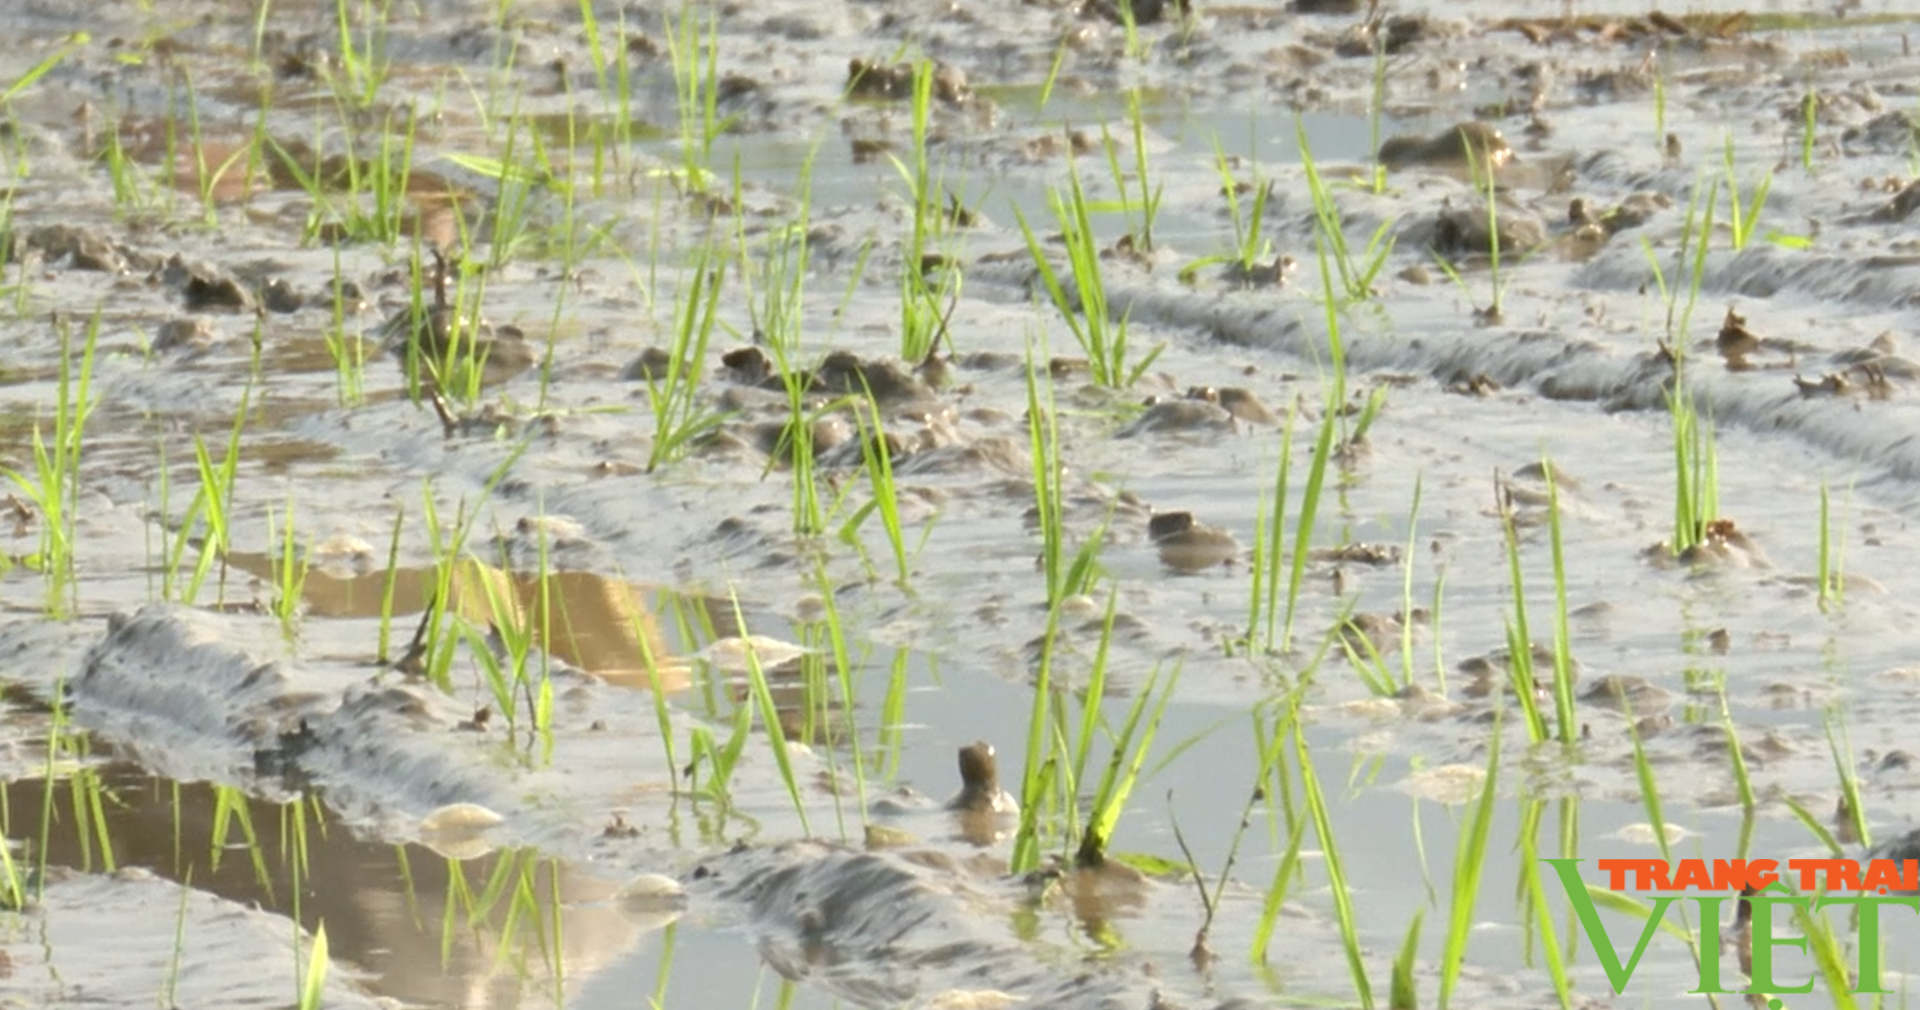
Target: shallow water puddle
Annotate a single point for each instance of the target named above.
(1354, 625)
(419, 925)
(604, 626)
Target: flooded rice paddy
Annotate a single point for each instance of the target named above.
(520, 504)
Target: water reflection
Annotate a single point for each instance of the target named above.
(503, 930)
(602, 625)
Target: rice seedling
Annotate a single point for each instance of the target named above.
(1363, 656)
(517, 175)
(1809, 117)
(1519, 642)
(1696, 492)
(1742, 218)
(1376, 111)
(1691, 263)
(1323, 446)
(1130, 27)
(1275, 779)
(1053, 75)
(312, 983)
(73, 44)
(208, 515)
(1406, 584)
(230, 811)
(364, 64)
(1536, 910)
(876, 454)
(1660, 105)
(371, 200)
(1824, 943)
(680, 419)
(1564, 718)
(172, 983)
(52, 485)
(658, 999)
(290, 574)
(1357, 272)
(719, 758)
(770, 722)
(923, 320)
(348, 351)
(1832, 562)
(695, 56)
(13, 890)
(133, 193)
(1250, 243)
(1122, 773)
(1469, 858)
(388, 586)
(1736, 758)
(1145, 201)
(826, 639)
(1066, 576)
(207, 178)
(1841, 747)
(1404, 995)
(1263, 591)
(1085, 309)
(1058, 752)
(503, 651)
(430, 654)
(1336, 876)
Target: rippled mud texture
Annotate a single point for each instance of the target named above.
(546, 499)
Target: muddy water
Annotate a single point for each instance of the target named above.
(456, 855)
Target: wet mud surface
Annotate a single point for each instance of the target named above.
(214, 759)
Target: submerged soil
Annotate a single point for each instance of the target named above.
(214, 766)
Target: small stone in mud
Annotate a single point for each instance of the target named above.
(1632, 212)
(1184, 415)
(866, 151)
(1735, 341)
(1478, 384)
(1902, 204)
(1241, 403)
(348, 297)
(747, 365)
(82, 248)
(1473, 142)
(1389, 35)
(206, 286)
(1258, 274)
(880, 836)
(980, 790)
(279, 296)
(652, 365)
(1372, 555)
(1142, 12)
(1537, 472)
(456, 830)
(192, 332)
(1891, 132)
(1186, 545)
(886, 381)
(894, 82)
(424, 337)
(1461, 231)
(1626, 694)
(619, 828)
